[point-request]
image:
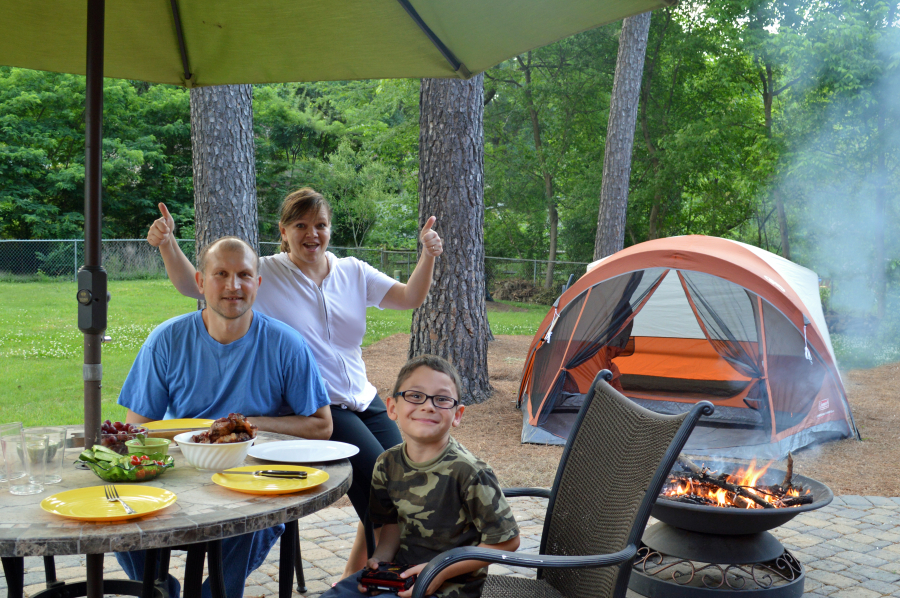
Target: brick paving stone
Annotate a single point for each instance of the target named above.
(832, 579)
(853, 574)
(826, 533)
(853, 514)
(891, 568)
(845, 544)
(803, 541)
(827, 590)
(340, 528)
(331, 514)
(863, 559)
(334, 566)
(878, 574)
(821, 551)
(809, 523)
(310, 534)
(827, 565)
(843, 529)
(318, 555)
(309, 520)
(885, 589)
(880, 521)
(854, 500)
(857, 592)
(811, 585)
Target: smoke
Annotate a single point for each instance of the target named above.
(841, 188)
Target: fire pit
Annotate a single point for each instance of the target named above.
(723, 545)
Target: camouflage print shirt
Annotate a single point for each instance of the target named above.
(452, 500)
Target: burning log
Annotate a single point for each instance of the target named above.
(788, 472)
(796, 501)
(720, 482)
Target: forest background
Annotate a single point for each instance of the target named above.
(775, 123)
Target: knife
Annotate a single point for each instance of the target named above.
(271, 473)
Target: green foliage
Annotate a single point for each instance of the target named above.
(146, 155)
(354, 142)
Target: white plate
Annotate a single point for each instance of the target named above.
(303, 451)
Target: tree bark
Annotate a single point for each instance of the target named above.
(768, 92)
(224, 164)
(452, 323)
(623, 108)
(652, 151)
(546, 175)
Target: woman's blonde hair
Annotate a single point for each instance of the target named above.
(297, 205)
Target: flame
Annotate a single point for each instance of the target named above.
(746, 477)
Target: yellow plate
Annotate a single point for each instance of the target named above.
(178, 424)
(261, 485)
(90, 504)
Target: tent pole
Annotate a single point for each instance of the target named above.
(92, 295)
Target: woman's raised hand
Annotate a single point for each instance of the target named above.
(431, 242)
(162, 229)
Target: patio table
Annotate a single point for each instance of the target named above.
(204, 512)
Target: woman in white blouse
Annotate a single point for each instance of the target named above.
(325, 299)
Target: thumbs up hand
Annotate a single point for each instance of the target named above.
(431, 241)
(163, 229)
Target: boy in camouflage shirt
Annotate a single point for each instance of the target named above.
(430, 494)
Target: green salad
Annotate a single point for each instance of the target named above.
(113, 467)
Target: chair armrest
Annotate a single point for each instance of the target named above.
(513, 492)
(516, 559)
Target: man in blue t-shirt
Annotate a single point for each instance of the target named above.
(226, 359)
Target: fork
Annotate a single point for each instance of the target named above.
(112, 495)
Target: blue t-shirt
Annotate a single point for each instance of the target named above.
(181, 371)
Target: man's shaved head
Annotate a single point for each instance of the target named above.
(226, 244)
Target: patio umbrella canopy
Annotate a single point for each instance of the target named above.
(235, 41)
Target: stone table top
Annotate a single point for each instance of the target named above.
(204, 511)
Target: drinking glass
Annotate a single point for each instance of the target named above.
(28, 452)
(13, 429)
(56, 451)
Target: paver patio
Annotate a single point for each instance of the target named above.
(851, 549)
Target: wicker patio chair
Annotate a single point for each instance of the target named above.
(612, 469)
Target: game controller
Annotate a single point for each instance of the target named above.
(387, 578)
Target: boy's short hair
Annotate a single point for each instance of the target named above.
(438, 364)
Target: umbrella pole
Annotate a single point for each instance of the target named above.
(92, 295)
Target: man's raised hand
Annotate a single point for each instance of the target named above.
(163, 229)
(431, 242)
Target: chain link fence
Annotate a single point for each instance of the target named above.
(22, 260)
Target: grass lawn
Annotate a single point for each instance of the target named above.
(41, 346)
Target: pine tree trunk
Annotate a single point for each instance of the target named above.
(623, 109)
(224, 164)
(453, 322)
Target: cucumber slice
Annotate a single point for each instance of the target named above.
(88, 456)
(99, 448)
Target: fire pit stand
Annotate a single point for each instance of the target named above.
(699, 551)
(676, 563)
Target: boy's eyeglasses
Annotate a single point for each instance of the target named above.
(418, 398)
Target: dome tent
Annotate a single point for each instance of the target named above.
(703, 318)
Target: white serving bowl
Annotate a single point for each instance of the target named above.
(212, 457)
